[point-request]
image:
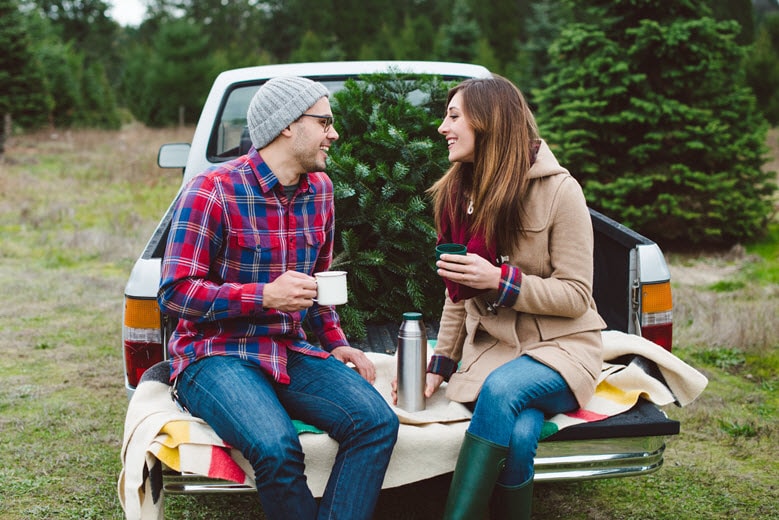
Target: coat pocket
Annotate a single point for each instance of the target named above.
(480, 358)
(485, 353)
(481, 344)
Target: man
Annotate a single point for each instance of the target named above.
(245, 240)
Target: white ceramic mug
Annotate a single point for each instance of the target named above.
(331, 287)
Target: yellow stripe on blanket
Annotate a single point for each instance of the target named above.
(171, 436)
(169, 456)
(608, 391)
(177, 431)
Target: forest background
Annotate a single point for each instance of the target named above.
(661, 109)
(68, 63)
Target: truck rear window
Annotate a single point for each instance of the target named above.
(230, 136)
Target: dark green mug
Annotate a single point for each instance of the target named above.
(449, 249)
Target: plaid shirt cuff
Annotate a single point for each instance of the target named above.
(510, 284)
(334, 338)
(442, 365)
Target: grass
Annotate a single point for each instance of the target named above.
(77, 208)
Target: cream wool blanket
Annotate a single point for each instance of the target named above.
(428, 441)
(621, 385)
(157, 430)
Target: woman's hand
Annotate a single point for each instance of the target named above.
(432, 382)
(471, 270)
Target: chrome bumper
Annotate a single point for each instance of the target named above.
(555, 461)
(598, 458)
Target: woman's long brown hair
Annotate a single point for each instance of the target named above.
(497, 181)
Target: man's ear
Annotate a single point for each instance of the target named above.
(287, 132)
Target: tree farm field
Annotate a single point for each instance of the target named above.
(76, 209)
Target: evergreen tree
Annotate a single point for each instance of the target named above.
(739, 11)
(354, 23)
(171, 79)
(239, 23)
(388, 155)
(314, 47)
(80, 96)
(649, 110)
(63, 65)
(762, 68)
(458, 40)
(379, 46)
(414, 40)
(99, 101)
(135, 88)
(485, 55)
(24, 95)
(547, 18)
(504, 25)
(85, 25)
(84, 22)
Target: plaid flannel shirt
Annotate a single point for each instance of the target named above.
(232, 232)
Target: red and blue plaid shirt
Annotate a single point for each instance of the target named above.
(233, 231)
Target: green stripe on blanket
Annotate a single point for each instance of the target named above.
(302, 427)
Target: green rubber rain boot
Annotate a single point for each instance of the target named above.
(512, 502)
(478, 466)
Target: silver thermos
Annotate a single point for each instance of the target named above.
(412, 362)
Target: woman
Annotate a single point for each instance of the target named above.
(519, 316)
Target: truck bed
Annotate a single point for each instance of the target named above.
(644, 419)
(632, 443)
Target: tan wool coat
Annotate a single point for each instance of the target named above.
(554, 319)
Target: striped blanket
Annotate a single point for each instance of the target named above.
(158, 431)
(634, 368)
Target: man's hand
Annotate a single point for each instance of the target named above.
(358, 358)
(290, 292)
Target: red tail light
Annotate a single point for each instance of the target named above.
(660, 334)
(141, 337)
(138, 357)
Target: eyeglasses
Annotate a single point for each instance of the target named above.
(327, 121)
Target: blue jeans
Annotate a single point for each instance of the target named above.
(253, 413)
(510, 412)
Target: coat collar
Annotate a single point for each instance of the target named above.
(545, 164)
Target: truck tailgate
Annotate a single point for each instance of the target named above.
(644, 419)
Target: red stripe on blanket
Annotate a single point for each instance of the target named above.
(586, 415)
(223, 466)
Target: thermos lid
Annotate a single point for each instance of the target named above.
(412, 316)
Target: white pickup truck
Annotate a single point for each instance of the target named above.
(631, 285)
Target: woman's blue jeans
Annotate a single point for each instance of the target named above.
(510, 412)
(253, 413)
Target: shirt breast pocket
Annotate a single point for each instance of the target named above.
(252, 255)
(310, 253)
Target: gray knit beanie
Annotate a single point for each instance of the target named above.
(279, 102)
